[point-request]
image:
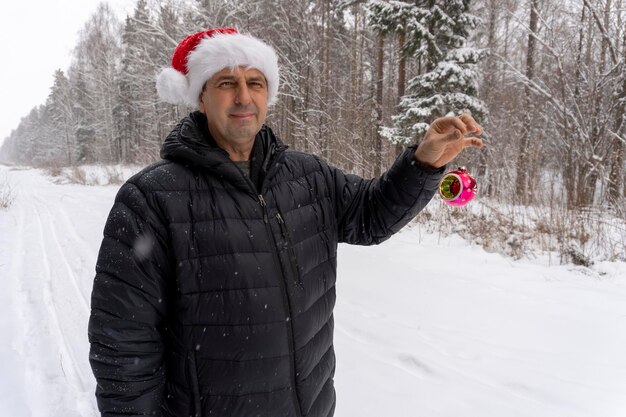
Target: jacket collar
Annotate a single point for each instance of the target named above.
(191, 143)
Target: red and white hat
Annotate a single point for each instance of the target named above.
(201, 55)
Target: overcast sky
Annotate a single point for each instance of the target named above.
(36, 38)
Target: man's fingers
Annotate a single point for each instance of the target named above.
(470, 123)
(464, 123)
(445, 124)
(473, 141)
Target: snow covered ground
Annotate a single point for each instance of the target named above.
(425, 326)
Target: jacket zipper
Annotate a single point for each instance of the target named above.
(287, 307)
(286, 304)
(193, 382)
(292, 254)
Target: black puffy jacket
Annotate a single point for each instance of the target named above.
(214, 299)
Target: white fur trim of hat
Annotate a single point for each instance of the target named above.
(200, 56)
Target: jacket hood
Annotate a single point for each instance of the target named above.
(191, 143)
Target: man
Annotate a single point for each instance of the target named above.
(215, 281)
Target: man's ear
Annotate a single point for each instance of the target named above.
(201, 106)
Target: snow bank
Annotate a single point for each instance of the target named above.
(426, 325)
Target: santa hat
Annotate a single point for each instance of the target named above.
(201, 55)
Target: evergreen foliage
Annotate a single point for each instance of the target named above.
(437, 34)
(555, 86)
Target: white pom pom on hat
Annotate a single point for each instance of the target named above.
(201, 55)
(172, 86)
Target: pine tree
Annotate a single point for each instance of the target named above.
(97, 61)
(436, 34)
(82, 114)
(30, 143)
(134, 110)
(170, 30)
(59, 106)
(49, 149)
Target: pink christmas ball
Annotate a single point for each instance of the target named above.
(457, 187)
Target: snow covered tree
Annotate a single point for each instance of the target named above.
(97, 57)
(170, 29)
(59, 106)
(617, 187)
(23, 145)
(49, 148)
(29, 138)
(82, 113)
(134, 111)
(436, 34)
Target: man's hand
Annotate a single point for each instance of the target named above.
(445, 139)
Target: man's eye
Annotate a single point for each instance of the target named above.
(255, 84)
(226, 84)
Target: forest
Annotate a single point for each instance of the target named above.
(361, 79)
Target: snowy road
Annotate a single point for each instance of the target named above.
(50, 238)
(413, 336)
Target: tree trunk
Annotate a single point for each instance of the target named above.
(353, 64)
(489, 87)
(523, 163)
(378, 140)
(590, 172)
(570, 171)
(616, 179)
(325, 137)
(401, 64)
(401, 75)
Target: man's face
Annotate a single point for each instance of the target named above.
(235, 104)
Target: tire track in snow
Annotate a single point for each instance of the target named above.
(85, 247)
(63, 257)
(17, 270)
(72, 372)
(31, 335)
(55, 320)
(14, 398)
(39, 340)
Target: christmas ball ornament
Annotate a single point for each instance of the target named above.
(457, 187)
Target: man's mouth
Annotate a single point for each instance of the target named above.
(241, 115)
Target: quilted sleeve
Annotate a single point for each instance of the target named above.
(370, 211)
(128, 304)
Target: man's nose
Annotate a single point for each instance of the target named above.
(242, 95)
